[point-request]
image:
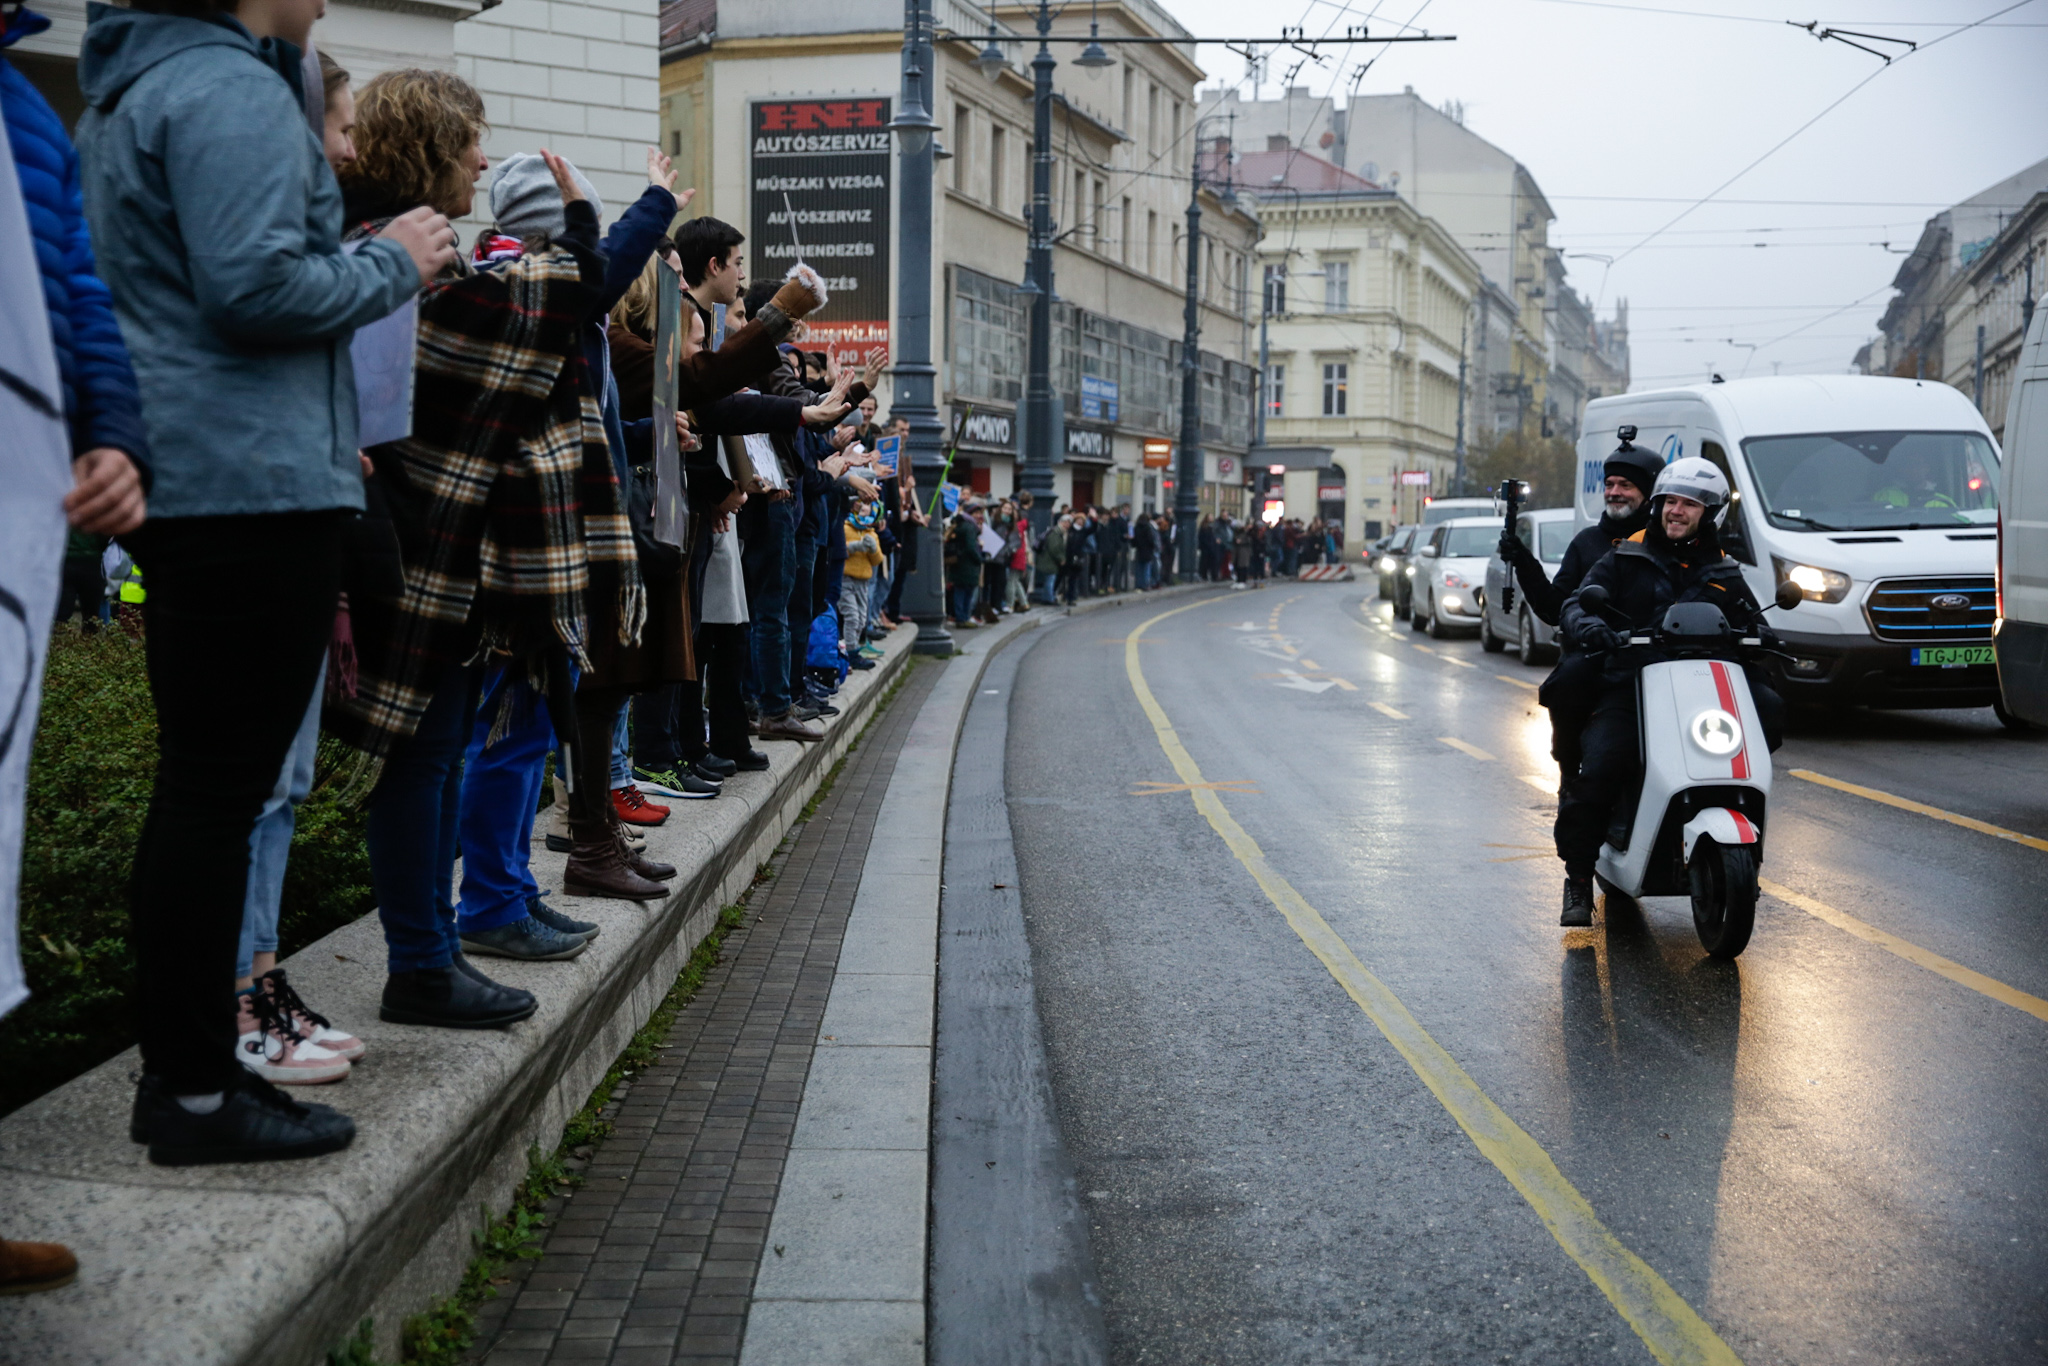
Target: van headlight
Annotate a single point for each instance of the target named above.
(1716, 732)
(1409, 571)
(1817, 584)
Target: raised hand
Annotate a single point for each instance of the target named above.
(565, 182)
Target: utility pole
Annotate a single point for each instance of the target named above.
(914, 377)
(1034, 474)
(1186, 493)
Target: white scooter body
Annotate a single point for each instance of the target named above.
(1677, 698)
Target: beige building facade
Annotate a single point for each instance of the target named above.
(1123, 145)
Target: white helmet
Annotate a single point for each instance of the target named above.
(1694, 478)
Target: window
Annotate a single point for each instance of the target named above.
(1123, 232)
(1152, 119)
(1077, 206)
(1276, 289)
(1336, 380)
(1336, 286)
(1276, 389)
(1176, 125)
(1130, 89)
(1096, 220)
(1151, 242)
(956, 174)
(997, 190)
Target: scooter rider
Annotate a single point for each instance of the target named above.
(1676, 558)
(1574, 685)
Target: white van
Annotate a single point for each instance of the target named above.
(1436, 510)
(1877, 497)
(2023, 535)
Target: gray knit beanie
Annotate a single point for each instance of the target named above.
(525, 201)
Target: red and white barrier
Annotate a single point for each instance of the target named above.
(1324, 573)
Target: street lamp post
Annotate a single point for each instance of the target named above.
(914, 376)
(1187, 491)
(1034, 475)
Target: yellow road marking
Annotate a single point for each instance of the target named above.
(1923, 809)
(1911, 952)
(1345, 684)
(1541, 783)
(1461, 663)
(1424, 648)
(1386, 710)
(1148, 788)
(1473, 750)
(1311, 664)
(1668, 1326)
(1518, 682)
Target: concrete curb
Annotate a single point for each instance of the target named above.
(843, 1282)
(265, 1263)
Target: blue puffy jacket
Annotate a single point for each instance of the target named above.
(101, 401)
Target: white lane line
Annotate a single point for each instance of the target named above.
(1475, 751)
(1541, 783)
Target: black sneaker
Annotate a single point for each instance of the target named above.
(453, 998)
(695, 789)
(714, 768)
(256, 1122)
(538, 908)
(748, 761)
(1578, 903)
(715, 777)
(822, 705)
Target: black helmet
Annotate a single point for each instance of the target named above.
(1640, 467)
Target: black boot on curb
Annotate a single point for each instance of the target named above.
(256, 1122)
(1578, 903)
(454, 997)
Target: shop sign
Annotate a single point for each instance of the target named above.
(1158, 453)
(1225, 467)
(1089, 443)
(1330, 493)
(821, 194)
(1415, 477)
(1098, 398)
(988, 430)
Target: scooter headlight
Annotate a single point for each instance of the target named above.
(1716, 732)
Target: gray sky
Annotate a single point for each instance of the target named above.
(1610, 101)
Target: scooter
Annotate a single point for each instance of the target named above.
(1699, 822)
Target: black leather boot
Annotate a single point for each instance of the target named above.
(453, 998)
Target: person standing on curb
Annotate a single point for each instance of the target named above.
(218, 223)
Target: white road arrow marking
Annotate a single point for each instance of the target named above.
(1300, 684)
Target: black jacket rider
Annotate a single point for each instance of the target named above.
(1546, 593)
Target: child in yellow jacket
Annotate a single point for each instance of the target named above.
(863, 557)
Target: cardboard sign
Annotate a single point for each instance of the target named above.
(887, 449)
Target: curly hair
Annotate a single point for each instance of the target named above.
(412, 128)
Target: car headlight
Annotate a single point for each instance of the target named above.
(1455, 581)
(1453, 603)
(1409, 571)
(1817, 584)
(1387, 565)
(1716, 732)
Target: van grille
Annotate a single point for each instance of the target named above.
(1903, 609)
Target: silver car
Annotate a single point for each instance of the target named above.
(1450, 571)
(1502, 623)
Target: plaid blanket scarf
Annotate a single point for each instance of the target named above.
(518, 544)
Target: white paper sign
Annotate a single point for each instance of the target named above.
(384, 354)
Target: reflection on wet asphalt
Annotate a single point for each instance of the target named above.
(1829, 1152)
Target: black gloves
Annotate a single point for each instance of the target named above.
(1511, 548)
(1595, 636)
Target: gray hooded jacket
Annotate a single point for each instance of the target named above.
(217, 222)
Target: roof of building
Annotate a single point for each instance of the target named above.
(682, 20)
(1257, 173)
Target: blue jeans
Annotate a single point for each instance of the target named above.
(500, 788)
(878, 593)
(270, 843)
(803, 599)
(622, 752)
(768, 560)
(963, 600)
(412, 829)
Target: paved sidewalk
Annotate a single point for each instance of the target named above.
(653, 1258)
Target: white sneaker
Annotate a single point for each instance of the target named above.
(311, 1024)
(269, 1045)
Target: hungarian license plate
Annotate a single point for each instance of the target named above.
(1952, 656)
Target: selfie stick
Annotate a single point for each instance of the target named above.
(1511, 493)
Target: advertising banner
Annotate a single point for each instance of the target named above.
(820, 177)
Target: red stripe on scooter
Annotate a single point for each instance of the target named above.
(1739, 764)
(1743, 828)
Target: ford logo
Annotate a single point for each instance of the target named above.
(1951, 602)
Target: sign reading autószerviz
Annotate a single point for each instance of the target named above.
(827, 161)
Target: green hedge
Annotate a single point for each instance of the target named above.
(88, 791)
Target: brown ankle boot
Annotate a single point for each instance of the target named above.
(28, 1267)
(635, 856)
(598, 867)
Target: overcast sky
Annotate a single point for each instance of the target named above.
(1605, 101)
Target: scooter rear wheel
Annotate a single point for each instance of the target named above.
(1723, 896)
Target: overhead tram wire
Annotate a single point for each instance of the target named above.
(1761, 19)
(1832, 106)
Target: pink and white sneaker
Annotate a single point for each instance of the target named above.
(269, 1045)
(311, 1023)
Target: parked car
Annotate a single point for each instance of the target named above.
(1877, 497)
(2021, 638)
(1396, 568)
(1450, 573)
(1503, 622)
(1435, 510)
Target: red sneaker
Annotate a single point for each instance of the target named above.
(634, 809)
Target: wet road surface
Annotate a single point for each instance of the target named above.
(1827, 1151)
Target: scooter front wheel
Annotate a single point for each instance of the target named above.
(1723, 896)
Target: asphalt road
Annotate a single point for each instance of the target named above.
(1827, 1151)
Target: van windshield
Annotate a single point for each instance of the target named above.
(1875, 481)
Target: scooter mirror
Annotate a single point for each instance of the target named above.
(1790, 595)
(1593, 596)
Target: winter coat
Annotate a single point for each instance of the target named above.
(102, 405)
(963, 552)
(1545, 594)
(218, 227)
(863, 552)
(1052, 552)
(1145, 539)
(1643, 577)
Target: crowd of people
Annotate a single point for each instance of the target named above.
(1244, 551)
